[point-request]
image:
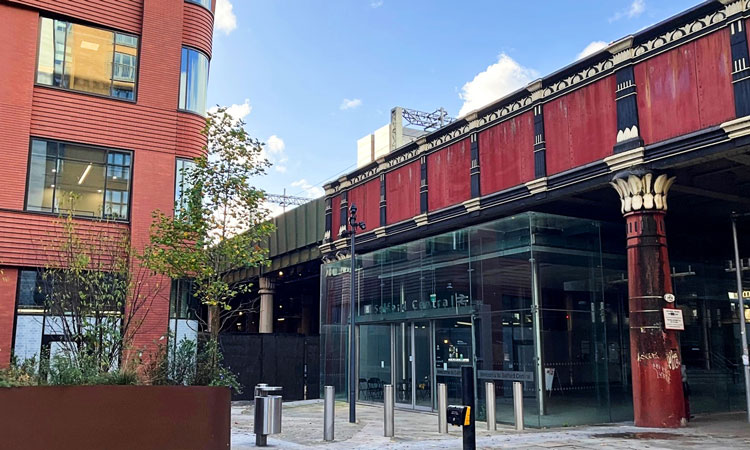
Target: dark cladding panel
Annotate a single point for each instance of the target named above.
(335, 216)
(693, 80)
(741, 71)
(402, 193)
(580, 126)
(474, 172)
(448, 173)
(628, 136)
(507, 156)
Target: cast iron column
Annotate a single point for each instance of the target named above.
(266, 291)
(654, 351)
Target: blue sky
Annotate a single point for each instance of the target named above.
(311, 77)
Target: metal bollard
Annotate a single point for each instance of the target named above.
(329, 412)
(388, 403)
(489, 398)
(442, 408)
(518, 404)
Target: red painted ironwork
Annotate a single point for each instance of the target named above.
(655, 352)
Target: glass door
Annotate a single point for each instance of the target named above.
(453, 349)
(403, 358)
(423, 386)
(412, 363)
(374, 361)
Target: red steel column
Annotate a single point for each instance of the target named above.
(654, 352)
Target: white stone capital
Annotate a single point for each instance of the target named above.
(643, 193)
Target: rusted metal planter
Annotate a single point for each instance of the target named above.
(115, 417)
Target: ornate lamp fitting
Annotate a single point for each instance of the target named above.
(638, 193)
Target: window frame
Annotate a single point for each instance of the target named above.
(187, 82)
(200, 3)
(114, 41)
(107, 150)
(177, 160)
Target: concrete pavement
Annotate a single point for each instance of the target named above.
(302, 427)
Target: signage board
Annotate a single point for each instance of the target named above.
(505, 375)
(673, 319)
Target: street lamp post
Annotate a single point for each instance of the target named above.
(351, 232)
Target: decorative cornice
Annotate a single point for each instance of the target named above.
(637, 193)
(421, 220)
(537, 186)
(379, 232)
(621, 52)
(504, 110)
(448, 136)
(580, 76)
(472, 205)
(737, 127)
(688, 29)
(624, 160)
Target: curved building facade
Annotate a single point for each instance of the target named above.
(105, 99)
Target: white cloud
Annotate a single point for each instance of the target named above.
(274, 151)
(592, 48)
(350, 104)
(634, 10)
(501, 78)
(237, 111)
(376, 4)
(308, 189)
(224, 18)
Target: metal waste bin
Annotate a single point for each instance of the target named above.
(267, 413)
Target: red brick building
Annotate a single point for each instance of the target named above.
(103, 98)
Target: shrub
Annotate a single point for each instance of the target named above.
(23, 374)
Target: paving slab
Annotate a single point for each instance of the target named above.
(302, 427)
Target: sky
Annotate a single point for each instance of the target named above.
(310, 77)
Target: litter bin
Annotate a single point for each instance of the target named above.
(267, 413)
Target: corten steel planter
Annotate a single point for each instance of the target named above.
(115, 417)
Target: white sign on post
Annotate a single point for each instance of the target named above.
(673, 319)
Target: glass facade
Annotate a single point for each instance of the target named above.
(89, 182)
(205, 3)
(87, 59)
(536, 298)
(193, 81)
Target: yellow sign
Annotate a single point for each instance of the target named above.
(733, 295)
(467, 420)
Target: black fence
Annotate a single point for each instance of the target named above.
(289, 361)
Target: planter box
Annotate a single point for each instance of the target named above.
(115, 417)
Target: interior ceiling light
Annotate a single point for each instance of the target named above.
(85, 174)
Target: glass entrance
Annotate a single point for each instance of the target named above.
(412, 376)
(453, 349)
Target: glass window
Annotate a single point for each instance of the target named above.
(182, 185)
(87, 59)
(30, 289)
(90, 182)
(205, 3)
(183, 303)
(193, 81)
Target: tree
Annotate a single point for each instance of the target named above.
(95, 294)
(220, 223)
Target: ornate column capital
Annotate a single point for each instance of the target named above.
(642, 192)
(266, 286)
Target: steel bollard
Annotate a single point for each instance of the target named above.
(518, 404)
(329, 412)
(388, 403)
(442, 408)
(489, 398)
